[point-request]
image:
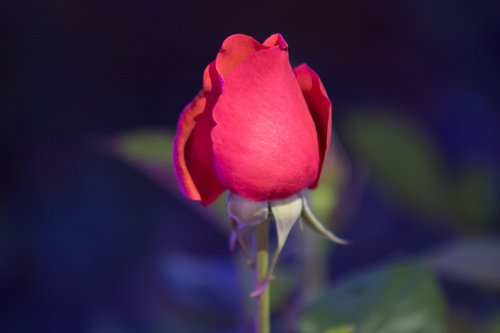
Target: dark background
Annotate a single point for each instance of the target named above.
(84, 237)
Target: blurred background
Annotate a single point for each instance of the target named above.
(95, 236)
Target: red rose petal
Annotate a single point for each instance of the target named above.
(276, 39)
(265, 140)
(193, 151)
(235, 49)
(320, 107)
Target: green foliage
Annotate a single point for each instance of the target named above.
(340, 329)
(324, 198)
(400, 298)
(474, 197)
(493, 326)
(147, 146)
(402, 157)
(324, 201)
(150, 152)
(282, 286)
(405, 160)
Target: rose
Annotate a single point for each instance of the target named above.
(261, 130)
(258, 128)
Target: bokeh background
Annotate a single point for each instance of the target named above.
(95, 237)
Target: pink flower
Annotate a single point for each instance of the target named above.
(257, 128)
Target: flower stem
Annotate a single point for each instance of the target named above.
(262, 308)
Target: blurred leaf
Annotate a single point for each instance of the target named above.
(281, 286)
(151, 146)
(400, 298)
(150, 152)
(324, 198)
(493, 326)
(474, 261)
(341, 329)
(474, 197)
(326, 203)
(403, 157)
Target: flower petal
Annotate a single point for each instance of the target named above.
(235, 49)
(265, 140)
(276, 39)
(320, 107)
(238, 47)
(193, 162)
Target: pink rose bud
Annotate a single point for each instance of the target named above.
(261, 130)
(258, 127)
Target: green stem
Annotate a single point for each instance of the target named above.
(262, 308)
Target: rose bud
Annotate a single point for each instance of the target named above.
(259, 129)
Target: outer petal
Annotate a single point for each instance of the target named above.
(193, 151)
(276, 39)
(237, 48)
(265, 140)
(320, 107)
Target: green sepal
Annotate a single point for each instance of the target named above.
(308, 217)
